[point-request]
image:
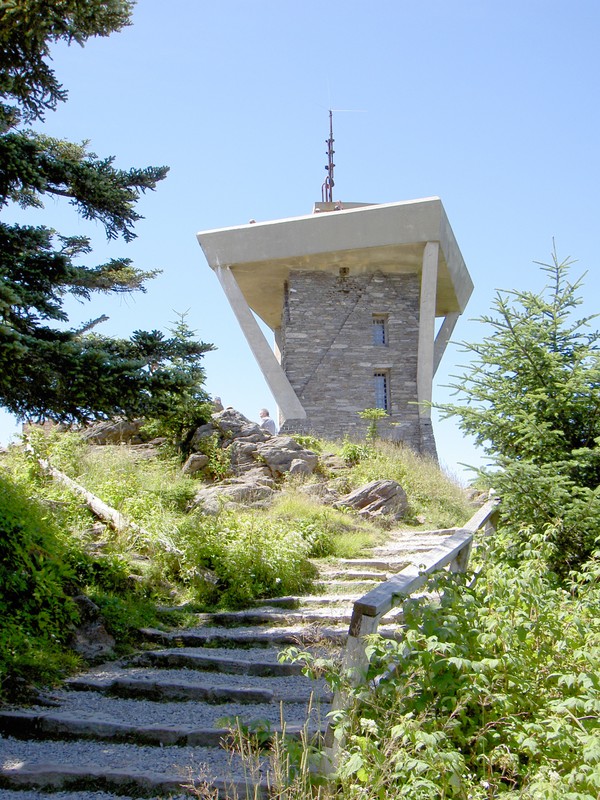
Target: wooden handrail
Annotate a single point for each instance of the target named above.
(453, 552)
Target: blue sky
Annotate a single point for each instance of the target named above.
(491, 106)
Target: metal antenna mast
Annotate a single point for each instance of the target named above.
(329, 183)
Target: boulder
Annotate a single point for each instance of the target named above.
(90, 639)
(115, 431)
(300, 467)
(381, 498)
(233, 425)
(213, 499)
(203, 432)
(279, 452)
(195, 463)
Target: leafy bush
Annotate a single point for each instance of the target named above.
(37, 616)
(219, 458)
(248, 556)
(493, 690)
(353, 452)
(308, 442)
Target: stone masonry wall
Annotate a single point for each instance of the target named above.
(329, 356)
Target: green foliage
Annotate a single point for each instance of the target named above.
(373, 415)
(219, 459)
(328, 531)
(492, 690)
(353, 452)
(28, 30)
(308, 442)
(247, 556)
(531, 399)
(46, 369)
(36, 612)
(181, 412)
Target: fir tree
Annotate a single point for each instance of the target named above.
(47, 371)
(531, 399)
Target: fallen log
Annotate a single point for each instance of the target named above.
(102, 510)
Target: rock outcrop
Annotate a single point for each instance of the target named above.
(115, 431)
(257, 461)
(382, 498)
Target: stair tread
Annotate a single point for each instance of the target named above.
(279, 687)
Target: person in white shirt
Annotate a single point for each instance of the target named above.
(267, 423)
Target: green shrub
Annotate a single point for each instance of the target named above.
(219, 458)
(36, 614)
(353, 452)
(309, 442)
(249, 557)
(493, 690)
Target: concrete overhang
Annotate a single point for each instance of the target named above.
(389, 237)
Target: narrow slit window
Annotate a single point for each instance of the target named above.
(382, 390)
(380, 334)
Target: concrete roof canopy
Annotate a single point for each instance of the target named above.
(389, 237)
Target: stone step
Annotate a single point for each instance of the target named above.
(30, 725)
(105, 716)
(343, 587)
(348, 576)
(255, 636)
(33, 794)
(152, 725)
(272, 616)
(288, 601)
(199, 659)
(185, 684)
(190, 778)
(162, 689)
(378, 564)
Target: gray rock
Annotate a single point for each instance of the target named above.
(90, 639)
(115, 431)
(214, 499)
(300, 467)
(233, 425)
(203, 432)
(320, 491)
(195, 463)
(382, 498)
(279, 452)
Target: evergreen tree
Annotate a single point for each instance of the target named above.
(531, 399)
(46, 371)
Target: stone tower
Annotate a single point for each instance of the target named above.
(351, 294)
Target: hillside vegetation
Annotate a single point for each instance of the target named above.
(494, 690)
(53, 548)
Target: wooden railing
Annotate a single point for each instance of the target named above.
(452, 552)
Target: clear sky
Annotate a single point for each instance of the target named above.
(492, 106)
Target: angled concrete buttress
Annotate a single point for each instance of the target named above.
(351, 294)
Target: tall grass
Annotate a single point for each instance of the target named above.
(435, 499)
(175, 555)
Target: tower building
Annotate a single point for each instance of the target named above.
(362, 300)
